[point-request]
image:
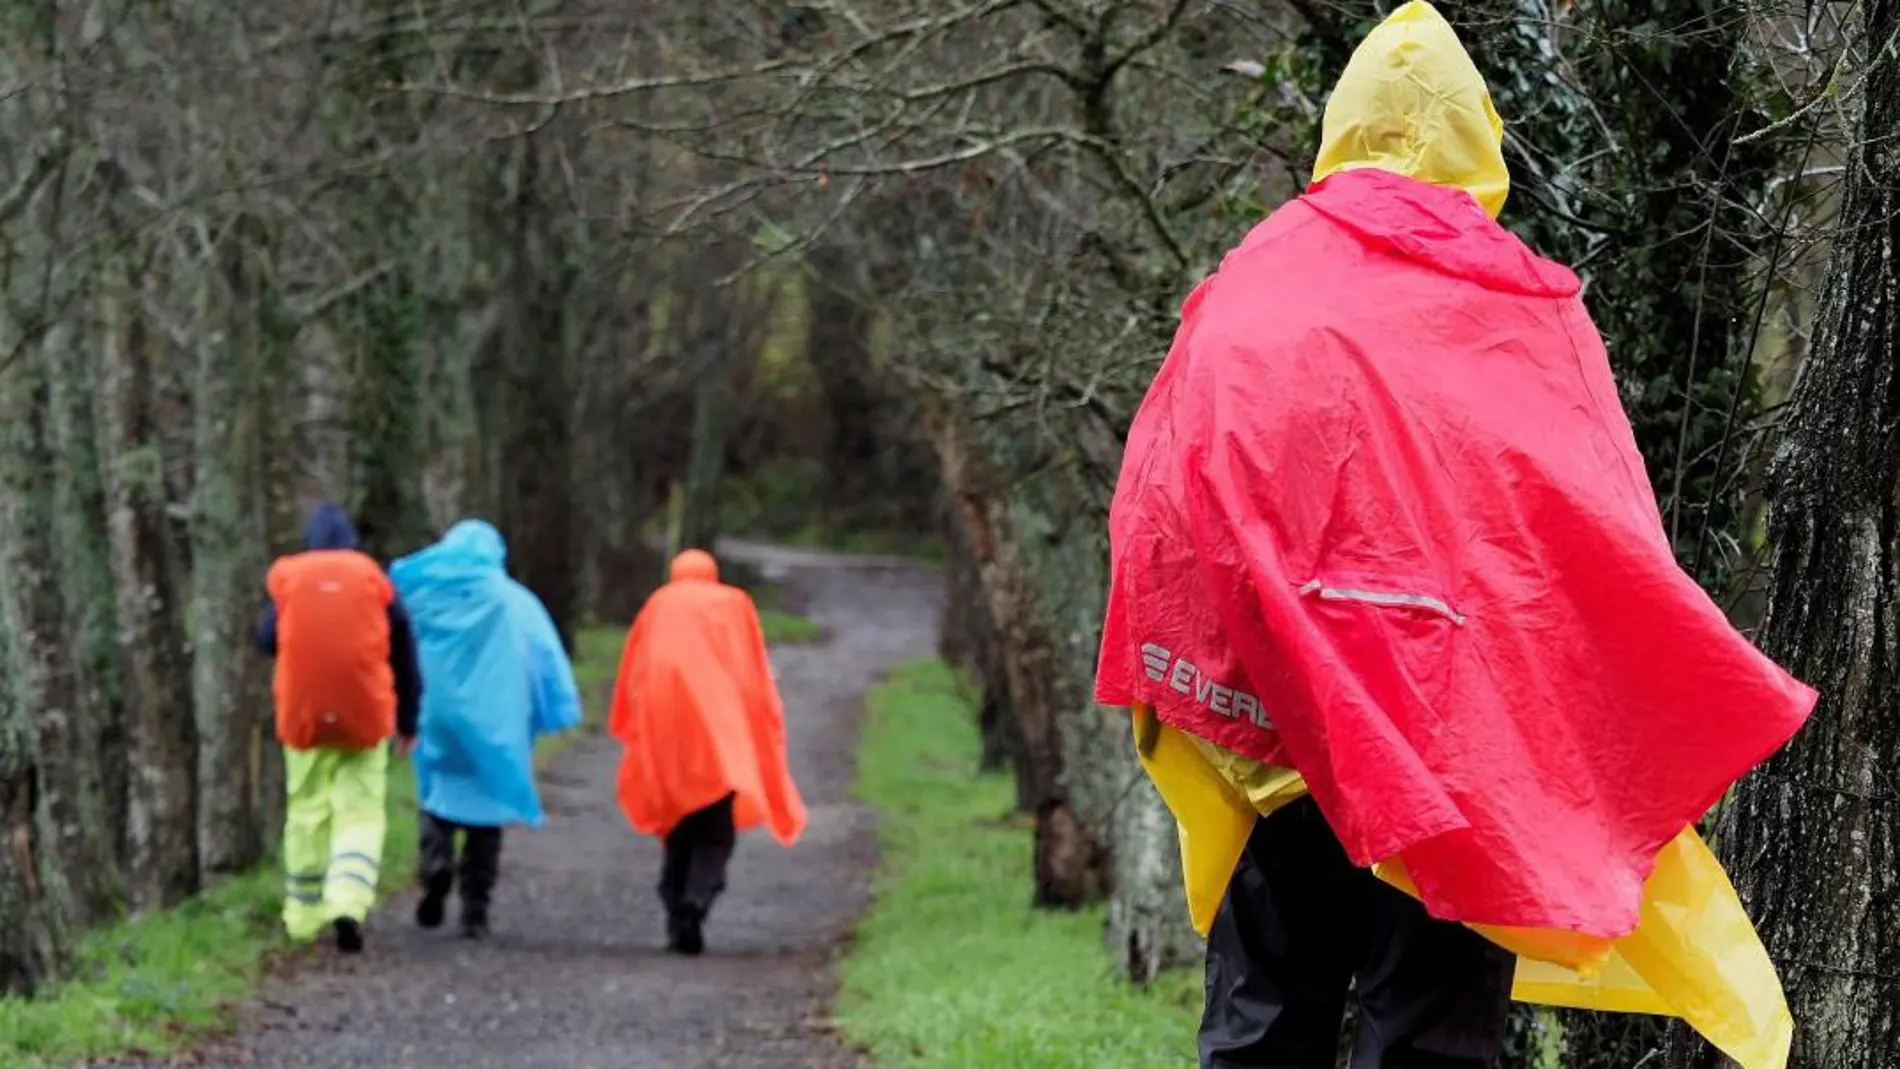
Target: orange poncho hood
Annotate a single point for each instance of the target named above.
(697, 710)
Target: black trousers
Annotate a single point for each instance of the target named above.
(698, 850)
(480, 861)
(1302, 927)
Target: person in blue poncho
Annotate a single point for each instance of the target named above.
(498, 679)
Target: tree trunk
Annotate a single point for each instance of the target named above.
(36, 911)
(388, 440)
(725, 328)
(967, 638)
(91, 610)
(274, 492)
(162, 848)
(1813, 839)
(1148, 925)
(40, 666)
(537, 501)
(1039, 536)
(457, 323)
(387, 443)
(613, 439)
(706, 461)
(1044, 687)
(229, 539)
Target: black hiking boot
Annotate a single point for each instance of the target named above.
(684, 932)
(435, 898)
(475, 922)
(349, 935)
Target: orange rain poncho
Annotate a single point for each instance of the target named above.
(698, 712)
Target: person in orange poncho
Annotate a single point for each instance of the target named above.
(696, 709)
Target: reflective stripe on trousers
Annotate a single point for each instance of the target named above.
(333, 835)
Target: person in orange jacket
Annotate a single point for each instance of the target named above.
(698, 713)
(346, 682)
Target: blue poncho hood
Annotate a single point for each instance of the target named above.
(496, 678)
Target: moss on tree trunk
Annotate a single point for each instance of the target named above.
(36, 910)
(537, 407)
(41, 674)
(232, 386)
(161, 833)
(90, 608)
(387, 443)
(1037, 529)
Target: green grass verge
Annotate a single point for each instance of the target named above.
(786, 628)
(154, 984)
(952, 967)
(145, 985)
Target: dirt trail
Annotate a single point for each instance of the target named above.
(574, 976)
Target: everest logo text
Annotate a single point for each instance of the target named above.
(1185, 677)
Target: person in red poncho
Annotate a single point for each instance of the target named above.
(1386, 562)
(698, 713)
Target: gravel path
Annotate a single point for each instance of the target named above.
(574, 976)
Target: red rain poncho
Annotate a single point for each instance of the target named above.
(1382, 519)
(697, 710)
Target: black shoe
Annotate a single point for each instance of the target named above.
(475, 923)
(435, 898)
(684, 932)
(349, 935)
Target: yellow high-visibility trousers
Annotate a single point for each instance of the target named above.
(333, 835)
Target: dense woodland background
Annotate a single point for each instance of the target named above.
(621, 276)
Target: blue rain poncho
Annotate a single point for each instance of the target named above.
(495, 679)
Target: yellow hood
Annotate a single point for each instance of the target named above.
(1412, 102)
